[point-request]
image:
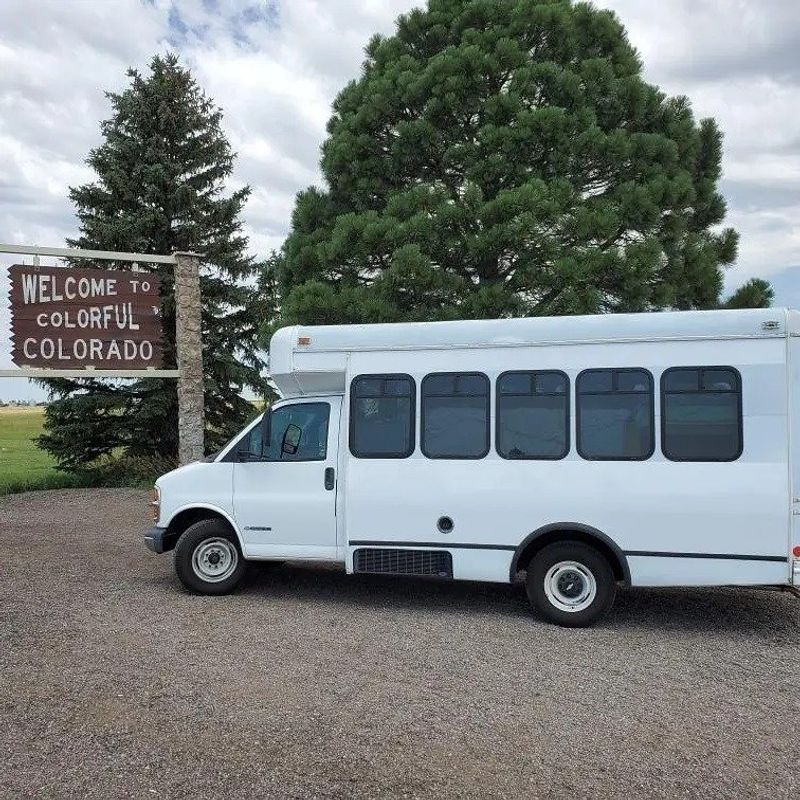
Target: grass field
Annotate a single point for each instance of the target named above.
(24, 467)
(22, 464)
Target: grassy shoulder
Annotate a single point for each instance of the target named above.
(23, 466)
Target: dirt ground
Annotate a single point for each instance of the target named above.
(115, 682)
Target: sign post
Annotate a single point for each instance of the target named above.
(90, 323)
(189, 347)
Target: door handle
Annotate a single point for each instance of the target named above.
(330, 478)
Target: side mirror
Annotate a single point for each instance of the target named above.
(291, 440)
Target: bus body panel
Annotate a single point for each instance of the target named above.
(685, 512)
(793, 438)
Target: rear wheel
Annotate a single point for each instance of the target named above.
(570, 584)
(208, 559)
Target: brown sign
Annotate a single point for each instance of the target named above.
(66, 318)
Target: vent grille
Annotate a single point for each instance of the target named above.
(438, 563)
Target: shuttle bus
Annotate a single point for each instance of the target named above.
(582, 453)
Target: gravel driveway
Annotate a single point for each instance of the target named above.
(114, 682)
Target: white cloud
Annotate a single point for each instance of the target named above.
(275, 66)
(714, 40)
(737, 62)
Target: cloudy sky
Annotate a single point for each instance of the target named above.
(274, 66)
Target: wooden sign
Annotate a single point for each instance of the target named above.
(67, 318)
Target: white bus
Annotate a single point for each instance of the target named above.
(586, 452)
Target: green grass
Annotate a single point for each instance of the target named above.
(23, 466)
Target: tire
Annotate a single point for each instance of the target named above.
(208, 559)
(570, 584)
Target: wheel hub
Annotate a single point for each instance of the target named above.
(215, 559)
(570, 586)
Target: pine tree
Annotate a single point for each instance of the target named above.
(161, 171)
(504, 158)
(756, 293)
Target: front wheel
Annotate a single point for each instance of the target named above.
(570, 584)
(208, 559)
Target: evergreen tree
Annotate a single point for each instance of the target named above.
(503, 158)
(756, 293)
(161, 172)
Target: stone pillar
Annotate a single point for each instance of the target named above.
(189, 348)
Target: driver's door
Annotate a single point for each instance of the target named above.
(284, 498)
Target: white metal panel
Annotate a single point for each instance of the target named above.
(664, 326)
(729, 508)
(793, 321)
(482, 565)
(793, 347)
(283, 508)
(705, 572)
(201, 484)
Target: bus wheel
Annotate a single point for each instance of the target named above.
(208, 559)
(570, 584)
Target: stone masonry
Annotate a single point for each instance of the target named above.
(189, 346)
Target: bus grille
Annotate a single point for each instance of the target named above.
(438, 563)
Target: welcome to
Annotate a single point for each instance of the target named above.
(43, 288)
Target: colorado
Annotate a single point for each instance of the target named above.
(96, 350)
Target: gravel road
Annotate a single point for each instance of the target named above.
(114, 682)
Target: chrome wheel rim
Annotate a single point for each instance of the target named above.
(214, 560)
(570, 586)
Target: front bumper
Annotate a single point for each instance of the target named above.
(159, 540)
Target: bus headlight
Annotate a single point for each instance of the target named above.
(155, 503)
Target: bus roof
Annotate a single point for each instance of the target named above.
(288, 343)
(726, 323)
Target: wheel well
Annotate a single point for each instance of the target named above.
(537, 541)
(181, 521)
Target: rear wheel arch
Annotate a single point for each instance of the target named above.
(576, 532)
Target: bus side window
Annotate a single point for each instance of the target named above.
(382, 412)
(533, 415)
(701, 414)
(455, 415)
(614, 414)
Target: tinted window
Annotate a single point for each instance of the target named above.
(615, 414)
(312, 419)
(248, 446)
(701, 414)
(382, 416)
(455, 415)
(533, 415)
(252, 442)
